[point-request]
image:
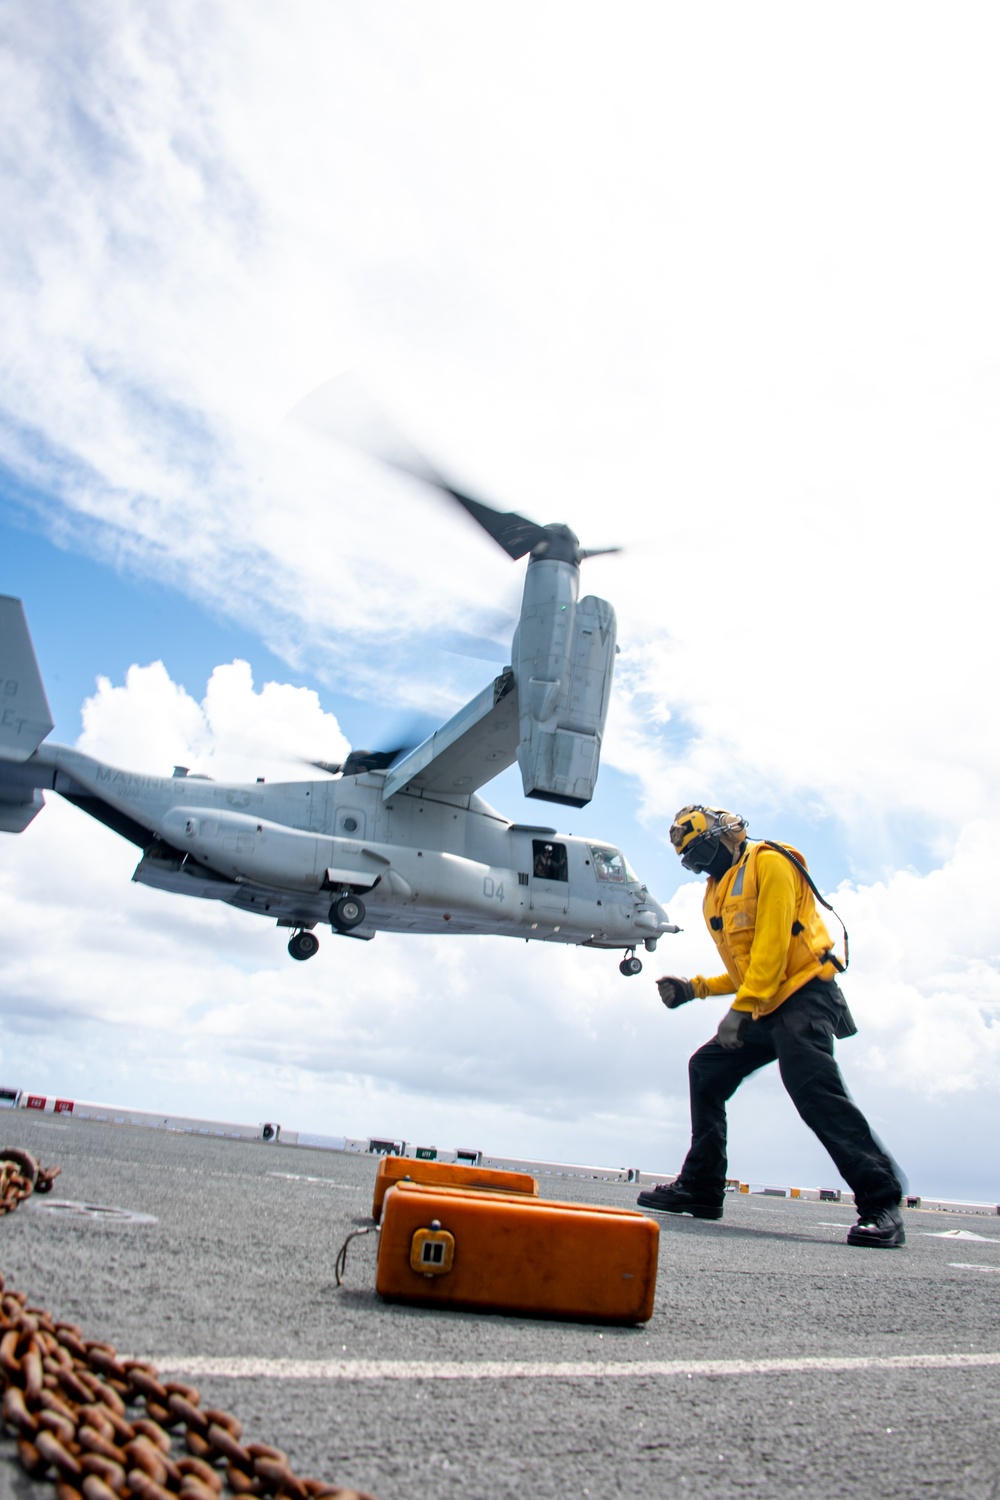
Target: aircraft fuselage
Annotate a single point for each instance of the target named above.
(419, 861)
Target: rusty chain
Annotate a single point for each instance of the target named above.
(20, 1176)
(102, 1427)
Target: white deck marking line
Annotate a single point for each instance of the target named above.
(957, 1234)
(513, 1369)
(342, 1187)
(968, 1265)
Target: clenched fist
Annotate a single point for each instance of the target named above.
(674, 991)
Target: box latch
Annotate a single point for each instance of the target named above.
(432, 1251)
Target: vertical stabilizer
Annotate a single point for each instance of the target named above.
(25, 718)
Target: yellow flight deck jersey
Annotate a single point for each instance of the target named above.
(763, 918)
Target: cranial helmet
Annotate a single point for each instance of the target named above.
(697, 832)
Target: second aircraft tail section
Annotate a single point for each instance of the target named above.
(25, 719)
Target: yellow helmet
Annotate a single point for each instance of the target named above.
(697, 832)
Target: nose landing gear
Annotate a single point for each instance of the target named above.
(630, 965)
(303, 945)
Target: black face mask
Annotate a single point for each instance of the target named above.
(705, 859)
(722, 862)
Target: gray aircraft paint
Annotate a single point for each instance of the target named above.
(416, 845)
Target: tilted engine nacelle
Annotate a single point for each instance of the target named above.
(244, 848)
(563, 660)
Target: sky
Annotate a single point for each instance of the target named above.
(714, 285)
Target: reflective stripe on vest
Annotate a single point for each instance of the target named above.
(744, 888)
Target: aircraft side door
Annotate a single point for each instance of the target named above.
(548, 881)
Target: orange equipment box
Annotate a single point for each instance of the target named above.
(516, 1254)
(446, 1174)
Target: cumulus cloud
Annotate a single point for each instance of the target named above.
(150, 722)
(760, 357)
(928, 984)
(138, 996)
(781, 396)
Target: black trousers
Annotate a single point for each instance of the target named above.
(800, 1035)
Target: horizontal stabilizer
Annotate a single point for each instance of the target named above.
(468, 751)
(25, 719)
(15, 816)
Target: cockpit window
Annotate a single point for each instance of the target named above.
(611, 864)
(549, 860)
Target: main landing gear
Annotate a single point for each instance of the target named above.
(347, 912)
(630, 965)
(303, 945)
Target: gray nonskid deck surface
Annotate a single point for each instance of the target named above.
(239, 1264)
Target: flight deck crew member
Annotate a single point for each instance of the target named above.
(779, 962)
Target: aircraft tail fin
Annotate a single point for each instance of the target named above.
(25, 718)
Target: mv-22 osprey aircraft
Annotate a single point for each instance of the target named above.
(385, 843)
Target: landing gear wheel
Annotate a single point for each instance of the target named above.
(347, 912)
(303, 945)
(630, 966)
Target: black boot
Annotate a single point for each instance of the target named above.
(881, 1227)
(675, 1198)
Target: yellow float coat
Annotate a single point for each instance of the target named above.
(763, 920)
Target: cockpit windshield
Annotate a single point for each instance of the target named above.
(611, 864)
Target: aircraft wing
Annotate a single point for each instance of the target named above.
(473, 747)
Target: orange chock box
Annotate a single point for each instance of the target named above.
(511, 1253)
(446, 1174)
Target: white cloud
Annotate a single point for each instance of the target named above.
(761, 355)
(720, 288)
(152, 722)
(137, 996)
(928, 982)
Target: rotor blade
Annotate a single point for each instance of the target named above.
(515, 533)
(359, 761)
(344, 409)
(586, 552)
(331, 767)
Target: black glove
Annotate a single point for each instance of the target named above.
(730, 1032)
(674, 991)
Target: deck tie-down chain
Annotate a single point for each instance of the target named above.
(104, 1428)
(20, 1176)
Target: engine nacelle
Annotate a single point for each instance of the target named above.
(564, 657)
